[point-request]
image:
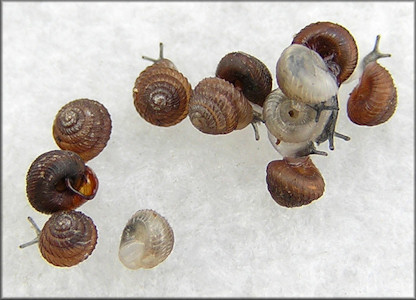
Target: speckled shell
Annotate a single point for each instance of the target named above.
(45, 181)
(294, 182)
(302, 75)
(292, 121)
(161, 95)
(247, 74)
(67, 238)
(217, 107)
(374, 100)
(146, 241)
(334, 44)
(82, 126)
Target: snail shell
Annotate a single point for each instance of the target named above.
(217, 107)
(146, 241)
(292, 121)
(48, 177)
(161, 94)
(302, 75)
(82, 126)
(334, 44)
(247, 74)
(67, 238)
(294, 182)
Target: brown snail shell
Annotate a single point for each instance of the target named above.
(294, 182)
(82, 126)
(247, 74)
(334, 44)
(146, 241)
(59, 180)
(67, 238)
(217, 107)
(373, 101)
(161, 94)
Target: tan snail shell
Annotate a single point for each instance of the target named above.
(217, 107)
(334, 44)
(82, 126)
(292, 121)
(302, 75)
(59, 180)
(294, 182)
(146, 241)
(66, 239)
(247, 74)
(161, 93)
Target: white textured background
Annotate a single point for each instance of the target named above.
(231, 238)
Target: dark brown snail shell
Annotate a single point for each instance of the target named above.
(373, 101)
(294, 182)
(247, 74)
(334, 44)
(161, 95)
(217, 107)
(67, 238)
(82, 126)
(59, 180)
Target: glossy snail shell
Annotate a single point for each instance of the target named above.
(46, 185)
(146, 241)
(217, 107)
(294, 182)
(334, 44)
(67, 238)
(292, 121)
(247, 74)
(161, 95)
(302, 75)
(373, 101)
(82, 126)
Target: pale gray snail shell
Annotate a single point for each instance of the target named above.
(303, 75)
(290, 120)
(146, 241)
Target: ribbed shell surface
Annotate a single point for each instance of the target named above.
(246, 73)
(374, 100)
(294, 182)
(217, 107)
(161, 95)
(146, 241)
(82, 126)
(67, 238)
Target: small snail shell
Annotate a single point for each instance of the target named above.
(161, 94)
(67, 238)
(146, 241)
(302, 75)
(59, 180)
(82, 126)
(292, 121)
(294, 182)
(247, 74)
(334, 44)
(217, 107)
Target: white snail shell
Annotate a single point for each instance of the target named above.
(288, 149)
(290, 120)
(303, 75)
(146, 241)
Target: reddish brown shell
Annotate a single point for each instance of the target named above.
(247, 74)
(82, 126)
(67, 238)
(294, 182)
(45, 181)
(161, 95)
(217, 107)
(374, 100)
(334, 44)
